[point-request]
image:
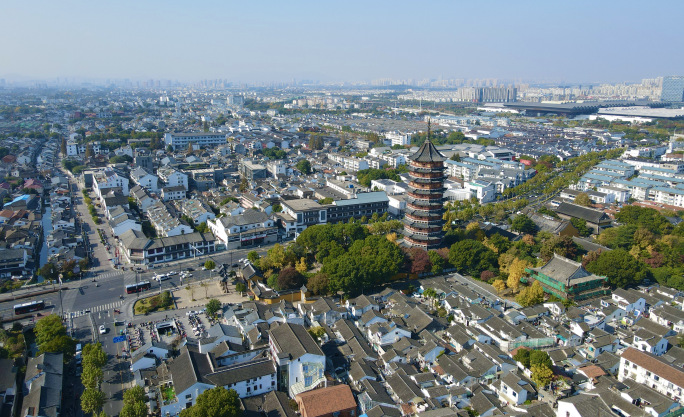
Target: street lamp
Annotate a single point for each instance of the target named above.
(61, 304)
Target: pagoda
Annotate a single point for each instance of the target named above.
(423, 222)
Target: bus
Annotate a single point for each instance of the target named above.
(141, 286)
(29, 307)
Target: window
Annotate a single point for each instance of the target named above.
(648, 374)
(656, 377)
(308, 381)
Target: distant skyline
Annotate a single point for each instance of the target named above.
(351, 41)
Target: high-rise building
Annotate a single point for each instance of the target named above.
(673, 89)
(425, 202)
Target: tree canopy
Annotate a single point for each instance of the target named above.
(472, 257)
(215, 402)
(523, 224)
(51, 336)
(620, 267)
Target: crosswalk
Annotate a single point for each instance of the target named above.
(110, 274)
(96, 309)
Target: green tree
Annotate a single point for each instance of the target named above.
(581, 226)
(317, 332)
(134, 403)
(367, 263)
(92, 400)
(620, 267)
(560, 245)
(437, 261)
(253, 256)
(63, 147)
(244, 184)
(523, 356)
(539, 357)
(541, 375)
(51, 336)
(240, 287)
(318, 284)
(120, 159)
(304, 166)
(523, 224)
(209, 265)
(91, 377)
(48, 271)
(216, 402)
(94, 355)
(472, 257)
(583, 199)
(213, 306)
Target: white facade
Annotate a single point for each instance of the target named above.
(173, 178)
(670, 196)
(181, 140)
(484, 191)
(643, 368)
(397, 138)
(349, 162)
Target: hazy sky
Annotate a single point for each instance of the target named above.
(259, 40)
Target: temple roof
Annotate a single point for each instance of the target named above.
(427, 153)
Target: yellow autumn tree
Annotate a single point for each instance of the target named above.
(301, 266)
(499, 285)
(516, 270)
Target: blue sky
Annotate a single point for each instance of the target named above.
(546, 41)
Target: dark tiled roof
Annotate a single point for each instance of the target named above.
(293, 339)
(427, 153)
(580, 212)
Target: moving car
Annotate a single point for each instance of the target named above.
(103, 329)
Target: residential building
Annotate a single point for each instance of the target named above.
(335, 401)
(305, 212)
(173, 193)
(198, 211)
(43, 386)
(173, 178)
(349, 163)
(108, 179)
(299, 359)
(180, 141)
(192, 373)
(138, 249)
(165, 223)
(243, 230)
(361, 205)
(13, 262)
(143, 178)
(673, 89)
(652, 371)
(398, 138)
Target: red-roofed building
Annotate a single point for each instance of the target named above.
(9, 159)
(332, 401)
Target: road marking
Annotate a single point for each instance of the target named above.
(97, 309)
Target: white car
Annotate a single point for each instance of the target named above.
(103, 329)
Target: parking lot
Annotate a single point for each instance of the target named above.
(170, 330)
